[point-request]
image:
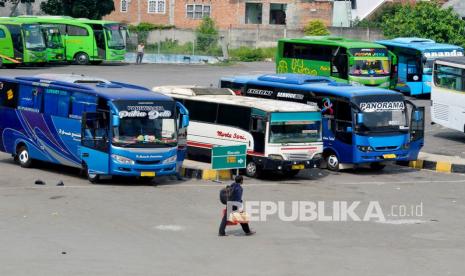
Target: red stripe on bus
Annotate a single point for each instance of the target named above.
(299, 148)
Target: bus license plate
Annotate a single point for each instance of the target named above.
(147, 174)
(389, 156)
(298, 167)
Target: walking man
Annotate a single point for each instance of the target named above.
(236, 196)
(140, 53)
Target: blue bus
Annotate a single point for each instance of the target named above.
(105, 128)
(361, 125)
(415, 57)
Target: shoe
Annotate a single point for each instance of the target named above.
(222, 235)
(250, 233)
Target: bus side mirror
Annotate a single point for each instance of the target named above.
(115, 121)
(359, 118)
(417, 115)
(185, 121)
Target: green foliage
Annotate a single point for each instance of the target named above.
(376, 20)
(142, 29)
(427, 20)
(316, 27)
(206, 35)
(251, 54)
(92, 9)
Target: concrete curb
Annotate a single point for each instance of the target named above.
(206, 174)
(434, 165)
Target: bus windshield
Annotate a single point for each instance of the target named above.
(145, 132)
(382, 113)
(295, 132)
(53, 38)
(370, 67)
(33, 37)
(114, 36)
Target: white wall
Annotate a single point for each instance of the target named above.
(365, 8)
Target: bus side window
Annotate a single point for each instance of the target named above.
(30, 98)
(2, 34)
(235, 116)
(56, 102)
(8, 94)
(80, 103)
(95, 130)
(202, 111)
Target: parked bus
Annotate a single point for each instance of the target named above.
(448, 93)
(361, 125)
(346, 60)
(55, 48)
(88, 41)
(105, 128)
(21, 43)
(283, 137)
(415, 58)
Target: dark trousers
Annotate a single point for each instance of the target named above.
(139, 58)
(224, 221)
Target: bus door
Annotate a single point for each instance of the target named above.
(340, 64)
(95, 143)
(17, 40)
(417, 126)
(394, 67)
(100, 43)
(6, 49)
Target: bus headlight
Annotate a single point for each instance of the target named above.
(171, 159)
(365, 148)
(122, 160)
(276, 157)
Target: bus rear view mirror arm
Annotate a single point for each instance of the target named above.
(185, 121)
(360, 118)
(115, 120)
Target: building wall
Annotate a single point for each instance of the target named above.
(226, 13)
(21, 10)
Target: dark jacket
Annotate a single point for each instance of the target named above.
(236, 193)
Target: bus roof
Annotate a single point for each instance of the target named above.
(112, 91)
(420, 44)
(68, 19)
(266, 105)
(316, 84)
(334, 41)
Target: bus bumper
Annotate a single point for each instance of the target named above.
(144, 170)
(287, 165)
(370, 157)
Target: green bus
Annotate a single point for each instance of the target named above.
(21, 43)
(55, 48)
(88, 41)
(345, 60)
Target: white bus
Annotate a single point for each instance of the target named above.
(448, 93)
(280, 136)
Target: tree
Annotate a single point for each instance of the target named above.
(92, 9)
(426, 20)
(206, 34)
(316, 27)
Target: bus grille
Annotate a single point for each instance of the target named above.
(441, 112)
(140, 162)
(298, 156)
(386, 148)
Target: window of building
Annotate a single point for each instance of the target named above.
(278, 14)
(198, 11)
(76, 31)
(124, 5)
(253, 13)
(156, 6)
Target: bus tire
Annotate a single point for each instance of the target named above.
(92, 177)
(377, 166)
(252, 170)
(23, 157)
(332, 162)
(81, 58)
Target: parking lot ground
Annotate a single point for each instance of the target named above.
(124, 227)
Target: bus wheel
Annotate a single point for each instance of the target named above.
(332, 162)
(81, 59)
(23, 157)
(376, 166)
(93, 177)
(252, 170)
